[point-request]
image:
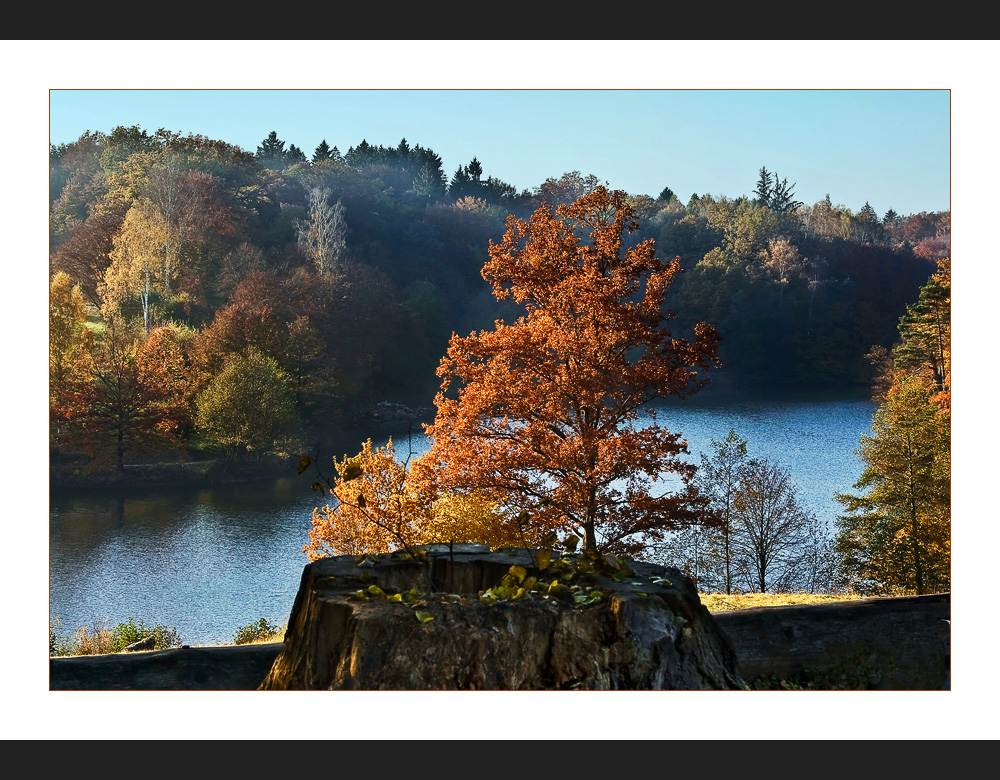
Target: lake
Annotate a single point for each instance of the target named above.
(207, 561)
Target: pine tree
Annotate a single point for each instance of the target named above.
(459, 186)
(783, 196)
(271, 151)
(294, 155)
(925, 334)
(474, 170)
(322, 152)
(764, 189)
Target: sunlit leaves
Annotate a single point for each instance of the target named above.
(248, 407)
(378, 508)
(542, 409)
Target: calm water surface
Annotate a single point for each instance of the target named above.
(207, 561)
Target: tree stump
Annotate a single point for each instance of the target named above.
(427, 622)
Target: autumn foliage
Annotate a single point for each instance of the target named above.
(895, 536)
(126, 399)
(384, 503)
(542, 414)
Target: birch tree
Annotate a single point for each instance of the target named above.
(323, 235)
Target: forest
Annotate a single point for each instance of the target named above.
(210, 299)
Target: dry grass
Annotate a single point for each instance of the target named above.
(720, 602)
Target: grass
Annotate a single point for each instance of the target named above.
(721, 602)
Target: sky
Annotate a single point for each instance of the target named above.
(886, 147)
(907, 125)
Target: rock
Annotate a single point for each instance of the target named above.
(646, 632)
(148, 643)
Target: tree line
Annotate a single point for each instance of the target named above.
(319, 285)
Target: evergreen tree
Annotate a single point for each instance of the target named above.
(474, 170)
(459, 186)
(427, 183)
(764, 189)
(322, 152)
(431, 171)
(868, 222)
(925, 333)
(783, 196)
(294, 155)
(665, 195)
(362, 154)
(271, 146)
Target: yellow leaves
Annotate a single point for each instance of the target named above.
(378, 508)
(352, 470)
(542, 558)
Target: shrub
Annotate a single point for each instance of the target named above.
(99, 639)
(125, 634)
(261, 631)
(59, 645)
(94, 639)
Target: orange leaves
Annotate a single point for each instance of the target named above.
(539, 413)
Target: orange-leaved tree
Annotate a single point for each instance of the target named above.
(542, 414)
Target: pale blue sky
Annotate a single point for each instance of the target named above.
(887, 147)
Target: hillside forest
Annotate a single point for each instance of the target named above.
(210, 299)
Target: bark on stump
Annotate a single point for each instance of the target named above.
(647, 632)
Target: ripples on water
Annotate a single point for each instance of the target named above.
(209, 561)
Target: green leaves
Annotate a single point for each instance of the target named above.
(423, 617)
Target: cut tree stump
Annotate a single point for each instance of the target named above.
(647, 631)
